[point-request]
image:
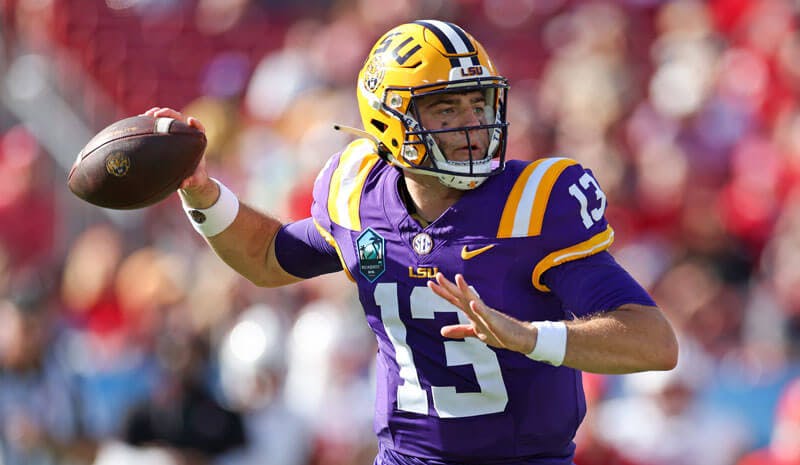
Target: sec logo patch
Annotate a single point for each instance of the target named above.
(422, 243)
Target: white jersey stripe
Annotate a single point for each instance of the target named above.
(347, 182)
(522, 218)
(347, 188)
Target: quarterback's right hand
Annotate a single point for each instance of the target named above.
(199, 191)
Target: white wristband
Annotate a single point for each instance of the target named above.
(551, 342)
(216, 218)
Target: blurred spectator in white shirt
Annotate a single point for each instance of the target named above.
(661, 420)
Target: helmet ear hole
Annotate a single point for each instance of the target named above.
(395, 143)
(380, 126)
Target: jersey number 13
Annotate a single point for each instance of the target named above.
(447, 403)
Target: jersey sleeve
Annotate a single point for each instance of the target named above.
(302, 251)
(336, 206)
(320, 215)
(595, 284)
(321, 193)
(572, 219)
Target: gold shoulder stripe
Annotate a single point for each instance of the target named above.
(330, 240)
(543, 194)
(510, 208)
(598, 243)
(347, 182)
(524, 210)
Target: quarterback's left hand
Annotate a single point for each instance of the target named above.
(494, 328)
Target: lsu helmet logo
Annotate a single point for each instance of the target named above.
(117, 164)
(373, 73)
(472, 71)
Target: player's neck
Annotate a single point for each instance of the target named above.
(427, 197)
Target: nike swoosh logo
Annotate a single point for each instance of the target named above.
(467, 254)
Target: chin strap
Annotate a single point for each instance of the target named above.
(381, 150)
(357, 132)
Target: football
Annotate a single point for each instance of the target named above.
(136, 162)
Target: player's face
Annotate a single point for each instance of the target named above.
(451, 111)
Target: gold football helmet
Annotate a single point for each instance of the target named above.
(420, 59)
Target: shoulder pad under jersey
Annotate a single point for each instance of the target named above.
(339, 185)
(561, 203)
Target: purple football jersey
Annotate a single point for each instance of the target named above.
(460, 400)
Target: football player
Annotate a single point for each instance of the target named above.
(487, 281)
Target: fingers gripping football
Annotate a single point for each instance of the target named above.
(198, 188)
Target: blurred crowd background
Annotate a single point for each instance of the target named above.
(124, 340)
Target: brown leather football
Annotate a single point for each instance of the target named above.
(136, 162)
